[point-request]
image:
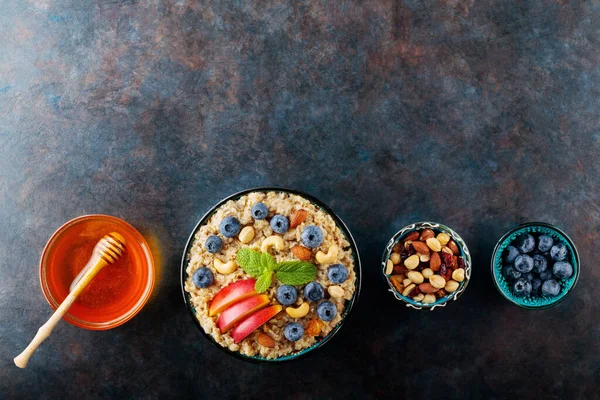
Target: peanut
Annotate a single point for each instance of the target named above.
(443, 238)
(246, 235)
(224, 268)
(428, 299)
(451, 286)
(458, 275)
(424, 257)
(330, 257)
(272, 241)
(434, 244)
(406, 282)
(389, 267)
(412, 262)
(419, 297)
(395, 257)
(415, 277)
(437, 281)
(299, 312)
(446, 249)
(335, 291)
(408, 289)
(427, 273)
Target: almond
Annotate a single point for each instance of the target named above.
(298, 217)
(452, 245)
(265, 340)
(414, 235)
(426, 234)
(301, 253)
(427, 288)
(420, 247)
(435, 262)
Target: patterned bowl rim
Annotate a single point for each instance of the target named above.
(349, 304)
(576, 267)
(440, 302)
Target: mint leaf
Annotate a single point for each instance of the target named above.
(295, 272)
(263, 282)
(267, 261)
(251, 262)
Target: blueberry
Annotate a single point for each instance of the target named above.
(287, 295)
(540, 263)
(511, 254)
(213, 244)
(259, 211)
(314, 291)
(536, 284)
(558, 252)
(525, 243)
(524, 263)
(510, 272)
(293, 331)
(337, 273)
(547, 274)
(230, 227)
(312, 236)
(529, 276)
(545, 242)
(562, 269)
(202, 278)
(550, 288)
(326, 311)
(522, 288)
(280, 224)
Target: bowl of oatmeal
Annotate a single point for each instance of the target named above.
(270, 274)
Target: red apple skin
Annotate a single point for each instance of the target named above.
(231, 294)
(241, 309)
(253, 321)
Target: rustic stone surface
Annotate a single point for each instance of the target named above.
(478, 114)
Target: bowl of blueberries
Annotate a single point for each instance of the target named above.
(535, 265)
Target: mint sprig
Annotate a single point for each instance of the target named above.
(263, 265)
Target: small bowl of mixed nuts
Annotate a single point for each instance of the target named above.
(426, 265)
(535, 265)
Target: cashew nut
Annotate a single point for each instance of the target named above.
(246, 234)
(330, 257)
(298, 312)
(272, 241)
(224, 268)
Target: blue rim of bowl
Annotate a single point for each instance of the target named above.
(496, 268)
(349, 304)
(464, 252)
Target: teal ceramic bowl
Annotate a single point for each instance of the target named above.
(534, 302)
(349, 304)
(464, 252)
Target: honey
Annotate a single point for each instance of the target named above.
(115, 291)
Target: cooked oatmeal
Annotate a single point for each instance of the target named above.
(278, 203)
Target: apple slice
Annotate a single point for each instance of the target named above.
(241, 309)
(231, 294)
(253, 321)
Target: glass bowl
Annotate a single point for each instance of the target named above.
(538, 302)
(349, 304)
(75, 240)
(464, 252)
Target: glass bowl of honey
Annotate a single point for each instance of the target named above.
(117, 293)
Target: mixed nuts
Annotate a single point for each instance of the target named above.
(426, 265)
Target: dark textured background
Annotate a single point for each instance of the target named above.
(481, 114)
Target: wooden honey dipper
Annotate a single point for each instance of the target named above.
(108, 250)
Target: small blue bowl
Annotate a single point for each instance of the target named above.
(534, 302)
